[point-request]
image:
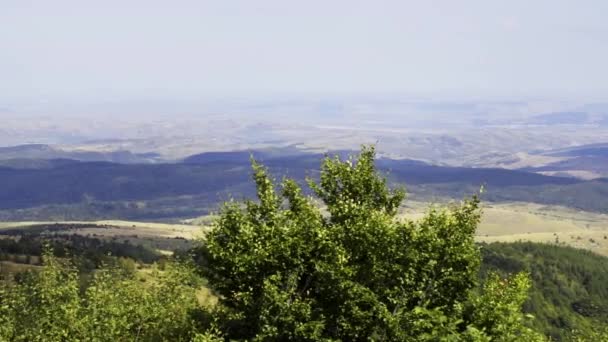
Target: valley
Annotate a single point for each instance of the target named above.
(518, 204)
(127, 195)
(213, 171)
(142, 216)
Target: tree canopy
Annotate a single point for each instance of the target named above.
(343, 266)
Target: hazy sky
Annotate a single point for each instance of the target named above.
(107, 49)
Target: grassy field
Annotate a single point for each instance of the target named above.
(511, 222)
(505, 222)
(123, 228)
(158, 236)
(548, 224)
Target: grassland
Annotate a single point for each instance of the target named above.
(164, 238)
(510, 222)
(505, 222)
(121, 228)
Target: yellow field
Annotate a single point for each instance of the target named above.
(158, 236)
(511, 222)
(125, 228)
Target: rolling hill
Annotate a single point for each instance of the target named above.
(589, 161)
(14, 154)
(196, 184)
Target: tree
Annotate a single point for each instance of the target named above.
(49, 305)
(285, 270)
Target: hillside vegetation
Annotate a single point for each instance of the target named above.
(568, 293)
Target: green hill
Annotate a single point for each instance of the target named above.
(569, 289)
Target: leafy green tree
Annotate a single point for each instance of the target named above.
(49, 305)
(45, 305)
(497, 310)
(287, 270)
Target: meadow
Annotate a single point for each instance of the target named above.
(519, 221)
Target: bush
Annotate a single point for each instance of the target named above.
(286, 271)
(49, 306)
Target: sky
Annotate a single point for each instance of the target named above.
(64, 50)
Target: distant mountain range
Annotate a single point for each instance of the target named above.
(560, 118)
(16, 155)
(591, 150)
(569, 118)
(113, 190)
(586, 161)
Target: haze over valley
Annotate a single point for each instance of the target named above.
(265, 170)
(182, 164)
(524, 134)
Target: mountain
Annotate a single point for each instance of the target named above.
(20, 163)
(421, 173)
(78, 189)
(560, 118)
(47, 152)
(239, 157)
(591, 150)
(29, 151)
(584, 161)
